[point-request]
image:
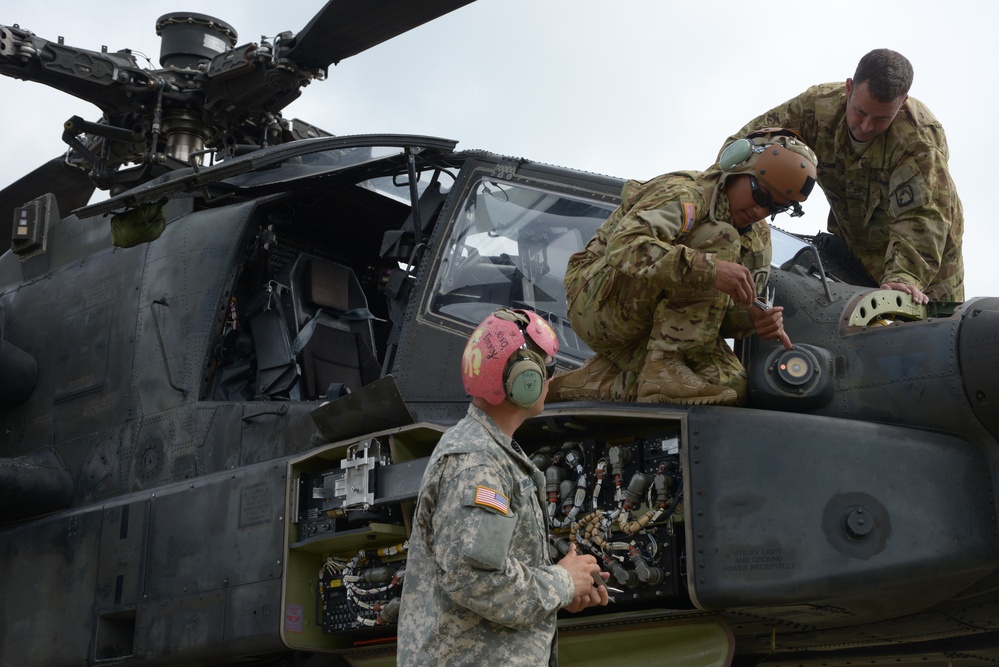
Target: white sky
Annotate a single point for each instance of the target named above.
(630, 88)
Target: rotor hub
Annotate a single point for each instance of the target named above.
(189, 39)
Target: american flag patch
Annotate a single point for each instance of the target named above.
(689, 213)
(489, 498)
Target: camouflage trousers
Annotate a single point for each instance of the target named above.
(623, 318)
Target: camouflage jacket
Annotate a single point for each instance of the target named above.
(658, 235)
(480, 587)
(895, 206)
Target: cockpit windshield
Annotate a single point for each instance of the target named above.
(510, 248)
(785, 246)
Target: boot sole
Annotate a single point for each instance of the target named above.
(579, 397)
(725, 398)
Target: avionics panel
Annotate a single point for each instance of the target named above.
(615, 493)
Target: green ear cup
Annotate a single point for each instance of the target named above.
(524, 382)
(735, 154)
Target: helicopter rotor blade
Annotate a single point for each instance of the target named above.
(72, 189)
(344, 28)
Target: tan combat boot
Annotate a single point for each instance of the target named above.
(596, 380)
(666, 378)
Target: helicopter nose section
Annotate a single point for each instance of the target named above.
(978, 353)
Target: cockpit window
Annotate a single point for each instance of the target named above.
(396, 188)
(785, 246)
(340, 158)
(510, 247)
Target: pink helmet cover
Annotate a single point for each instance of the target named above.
(491, 345)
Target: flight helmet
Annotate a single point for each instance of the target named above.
(504, 358)
(777, 157)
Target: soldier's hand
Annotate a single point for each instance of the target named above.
(582, 567)
(597, 596)
(913, 291)
(769, 325)
(735, 280)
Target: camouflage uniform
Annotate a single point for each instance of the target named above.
(646, 279)
(895, 206)
(480, 587)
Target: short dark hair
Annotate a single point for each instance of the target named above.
(887, 73)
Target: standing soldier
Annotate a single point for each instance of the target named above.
(883, 168)
(676, 269)
(480, 585)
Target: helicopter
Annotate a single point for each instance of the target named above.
(217, 396)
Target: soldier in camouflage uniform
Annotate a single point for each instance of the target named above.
(675, 270)
(480, 585)
(883, 168)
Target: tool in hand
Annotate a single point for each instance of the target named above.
(768, 304)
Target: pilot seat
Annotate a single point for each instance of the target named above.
(335, 335)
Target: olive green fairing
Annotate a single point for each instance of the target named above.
(142, 225)
(704, 642)
(697, 642)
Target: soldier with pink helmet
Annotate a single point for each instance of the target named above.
(480, 585)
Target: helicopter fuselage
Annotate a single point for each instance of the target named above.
(226, 418)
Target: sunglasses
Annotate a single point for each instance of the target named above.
(763, 198)
(550, 369)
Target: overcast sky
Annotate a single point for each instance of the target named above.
(630, 88)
